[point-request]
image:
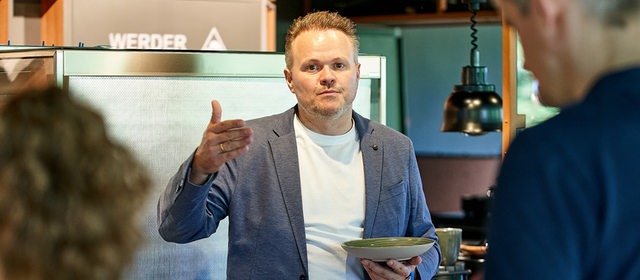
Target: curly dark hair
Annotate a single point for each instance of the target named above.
(70, 196)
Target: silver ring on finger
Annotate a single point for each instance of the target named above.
(222, 150)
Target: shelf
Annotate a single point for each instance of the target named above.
(429, 18)
(407, 12)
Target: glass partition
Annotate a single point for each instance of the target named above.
(158, 104)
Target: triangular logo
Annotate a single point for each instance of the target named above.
(214, 41)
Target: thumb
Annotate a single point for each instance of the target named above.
(216, 111)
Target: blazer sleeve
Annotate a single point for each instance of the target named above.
(183, 214)
(432, 258)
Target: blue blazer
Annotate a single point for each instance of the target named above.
(260, 193)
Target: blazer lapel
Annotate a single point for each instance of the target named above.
(286, 163)
(372, 150)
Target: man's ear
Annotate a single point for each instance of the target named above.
(552, 16)
(550, 11)
(289, 79)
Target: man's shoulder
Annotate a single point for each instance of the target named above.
(278, 121)
(376, 128)
(383, 131)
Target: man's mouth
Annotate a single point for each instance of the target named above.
(329, 91)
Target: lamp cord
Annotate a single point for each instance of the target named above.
(474, 37)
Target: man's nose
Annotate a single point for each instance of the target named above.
(327, 77)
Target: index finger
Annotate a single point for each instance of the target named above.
(216, 111)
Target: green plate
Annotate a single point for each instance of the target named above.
(382, 249)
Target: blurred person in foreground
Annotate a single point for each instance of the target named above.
(566, 201)
(296, 185)
(69, 195)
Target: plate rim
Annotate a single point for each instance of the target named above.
(429, 240)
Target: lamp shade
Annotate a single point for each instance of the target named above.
(473, 108)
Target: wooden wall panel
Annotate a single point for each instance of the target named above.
(512, 121)
(51, 26)
(4, 21)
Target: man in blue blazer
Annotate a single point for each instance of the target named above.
(296, 185)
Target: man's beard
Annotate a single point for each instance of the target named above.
(329, 113)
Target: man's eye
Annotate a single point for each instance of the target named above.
(339, 65)
(312, 67)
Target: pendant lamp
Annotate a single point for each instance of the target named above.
(473, 108)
